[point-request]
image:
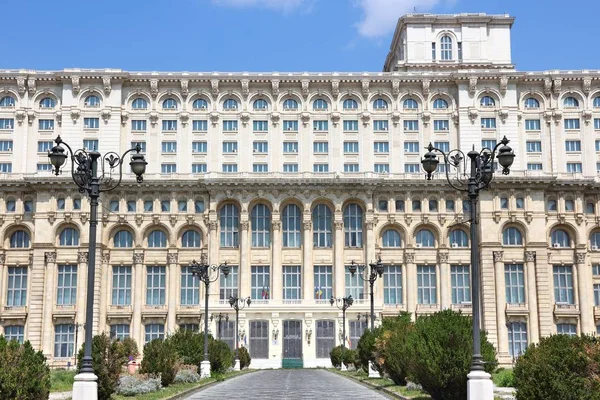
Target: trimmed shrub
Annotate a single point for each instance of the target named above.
(244, 356)
(350, 357)
(220, 356)
(559, 367)
(390, 347)
(24, 374)
(438, 352)
(366, 349)
(189, 345)
(504, 378)
(187, 376)
(160, 358)
(335, 355)
(133, 385)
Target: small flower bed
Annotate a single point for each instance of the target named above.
(133, 385)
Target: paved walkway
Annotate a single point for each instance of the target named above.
(284, 384)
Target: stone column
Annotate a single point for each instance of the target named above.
(82, 277)
(276, 267)
(532, 303)
(138, 299)
(47, 331)
(2, 284)
(105, 291)
(411, 280)
(172, 295)
(339, 270)
(586, 305)
(500, 304)
(307, 262)
(213, 258)
(445, 295)
(245, 272)
(369, 258)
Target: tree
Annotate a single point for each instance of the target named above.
(160, 357)
(24, 374)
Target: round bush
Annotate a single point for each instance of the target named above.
(160, 358)
(366, 349)
(559, 367)
(220, 356)
(350, 357)
(391, 348)
(335, 355)
(244, 357)
(24, 374)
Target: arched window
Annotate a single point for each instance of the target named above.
(69, 237)
(571, 102)
(459, 238)
(410, 104)
(230, 104)
(353, 225)
(157, 238)
(487, 101)
(291, 221)
(199, 104)
(92, 101)
(322, 219)
(350, 104)
(261, 104)
(261, 226)
(560, 238)
(169, 104)
(425, 238)
(230, 225)
(19, 240)
(319, 104)
(391, 238)
(7, 101)
(380, 104)
(595, 240)
(512, 237)
(290, 104)
(440, 104)
(446, 47)
(190, 238)
(530, 102)
(596, 102)
(139, 104)
(123, 239)
(590, 208)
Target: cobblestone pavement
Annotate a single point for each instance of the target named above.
(288, 385)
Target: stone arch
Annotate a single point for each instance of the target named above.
(395, 226)
(412, 95)
(383, 95)
(536, 94)
(88, 92)
(62, 226)
(12, 228)
(166, 95)
(290, 94)
(426, 225)
(41, 94)
(131, 96)
(569, 228)
(229, 95)
(6, 91)
(200, 94)
(110, 235)
(514, 224)
(577, 94)
(152, 227)
(442, 95)
(350, 94)
(188, 227)
(491, 92)
(261, 95)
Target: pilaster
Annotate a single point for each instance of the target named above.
(172, 295)
(532, 303)
(502, 338)
(138, 290)
(276, 268)
(339, 270)
(307, 262)
(47, 335)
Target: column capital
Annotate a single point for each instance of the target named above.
(276, 225)
(106, 257)
(580, 258)
(530, 256)
(245, 225)
(3, 258)
(339, 225)
(172, 258)
(49, 257)
(409, 258)
(213, 225)
(442, 257)
(307, 225)
(138, 258)
(82, 257)
(370, 225)
(498, 256)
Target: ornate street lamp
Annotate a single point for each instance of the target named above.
(342, 303)
(219, 317)
(85, 174)
(207, 273)
(238, 304)
(472, 180)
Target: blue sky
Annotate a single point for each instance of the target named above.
(268, 35)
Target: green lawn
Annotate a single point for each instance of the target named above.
(61, 380)
(387, 384)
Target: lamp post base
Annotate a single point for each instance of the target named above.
(205, 369)
(373, 373)
(343, 367)
(85, 387)
(480, 386)
(237, 366)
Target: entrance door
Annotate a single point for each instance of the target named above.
(292, 344)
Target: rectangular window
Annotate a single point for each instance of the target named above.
(571, 123)
(14, 332)
(320, 167)
(350, 125)
(90, 144)
(165, 205)
(532, 125)
(411, 147)
(153, 331)
(461, 284)
(411, 125)
(381, 168)
(67, 285)
(433, 51)
(412, 168)
(488, 123)
(288, 167)
(91, 123)
(138, 125)
(354, 285)
(534, 146)
(350, 147)
(357, 328)
(131, 206)
(182, 205)
(226, 333)
(16, 295)
(199, 147)
(596, 123)
(460, 51)
(597, 294)
(563, 284)
(443, 146)
(200, 125)
(573, 145)
(169, 125)
(119, 331)
(230, 147)
(168, 168)
(325, 338)
(228, 285)
(260, 147)
(148, 205)
(292, 278)
(441, 125)
(169, 147)
(64, 340)
(597, 145)
(596, 270)
(517, 338)
(566, 329)
(46, 124)
(260, 126)
(198, 168)
(380, 125)
(45, 146)
(351, 168)
(534, 166)
(574, 167)
(320, 126)
(155, 285)
(290, 147)
(381, 147)
(229, 168)
(7, 123)
(142, 146)
(323, 282)
(488, 143)
(261, 282)
(6, 146)
(260, 168)
(291, 126)
(190, 287)
(230, 126)
(321, 147)
(426, 284)
(259, 339)
(392, 284)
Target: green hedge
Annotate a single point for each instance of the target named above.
(160, 357)
(189, 346)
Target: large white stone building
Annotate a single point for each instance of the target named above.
(289, 177)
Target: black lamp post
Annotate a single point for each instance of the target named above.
(376, 270)
(342, 303)
(238, 304)
(219, 317)
(207, 273)
(472, 179)
(84, 170)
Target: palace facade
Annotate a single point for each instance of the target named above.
(289, 178)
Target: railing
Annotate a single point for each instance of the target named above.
(566, 309)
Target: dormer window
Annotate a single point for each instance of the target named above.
(446, 48)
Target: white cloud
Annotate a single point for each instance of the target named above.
(380, 16)
(284, 6)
